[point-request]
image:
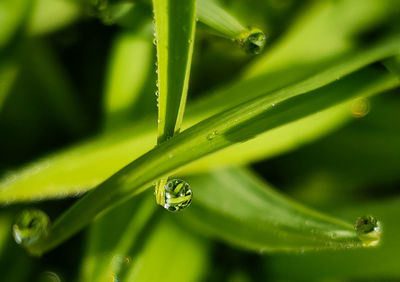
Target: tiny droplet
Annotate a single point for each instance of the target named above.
(253, 41)
(30, 226)
(369, 230)
(177, 195)
(212, 135)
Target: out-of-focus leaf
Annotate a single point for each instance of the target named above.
(364, 264)
(8, 73)
(12, 17)
(359, 159)
(235, 206)
(57, 88)
(393, 65)
(129, 66)
(326, 30)
(169, 254)
(112, 238)
(50, 15)
(74, 173)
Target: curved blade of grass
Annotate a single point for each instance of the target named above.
(8, 73)
(349, 264)
(217, 18)
(238, 124)
(129, 66)
(234, 205)
(86, 165)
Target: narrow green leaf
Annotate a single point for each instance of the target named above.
(209, 12)
(175, 27)
(86, 165)
(50, 15)
(393, 64)
(129, 66)
(175, 23)
(13, 14)
(220, 131)
(348, 264)
(8, 73)
(234, 205)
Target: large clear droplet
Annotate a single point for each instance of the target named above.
(177, 195)
(368, 229)
(253, 42)
(29, 226)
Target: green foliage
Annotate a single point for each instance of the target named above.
(299, 110)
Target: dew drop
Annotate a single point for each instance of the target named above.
(177, 195)
(368, 229)
(49, 276)
(30, 226)
(158, 121)
(212, 135)
(253, 42)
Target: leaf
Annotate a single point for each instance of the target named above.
(170, 254)
(82, 167)
(50, 15)
(175, 23)
(235, 206)
(252, 40)
(348, 264)
(129, 68)
(12, 18)
(110, 242)
(220, 131)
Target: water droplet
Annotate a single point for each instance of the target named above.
(158, 121)
(360, 108)
(155, 41)
(212, 135)
(253, 41)
(30, 226)
(177, 195)
(368, 229)
(49, 276)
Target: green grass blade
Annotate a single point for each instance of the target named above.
(175, 27)
(348, 264)
(175, 23)
(13, 14)
(92, 162)
(236, 125)
(226, 25)
(235, 206)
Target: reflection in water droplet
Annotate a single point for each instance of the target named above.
(177, 195)
(253, 41)
(30, 226)
(368, 229)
